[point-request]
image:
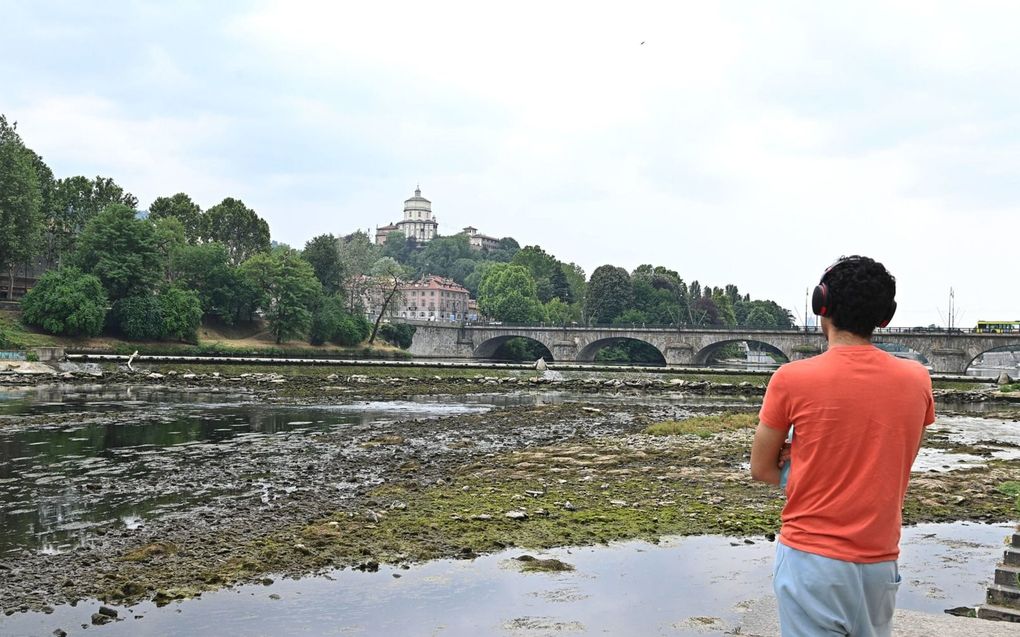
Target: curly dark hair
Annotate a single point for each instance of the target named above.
(861, 291)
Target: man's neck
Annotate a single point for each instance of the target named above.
(842, 338)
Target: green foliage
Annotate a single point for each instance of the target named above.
(550, 281)
(75, 202)
(237, 227)
(288, 291)
(66, 302)
(559, 313)
(224, 294)
(21, 220)
(399, 334)
(138, 318)
(323, 253)
(181, 208)
(609, 293)
(508, 294)
(32, 357)
(441, 253)
(332, 323)
(121, 250)
(182, 313)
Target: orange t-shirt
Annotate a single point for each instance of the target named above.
(858, 414)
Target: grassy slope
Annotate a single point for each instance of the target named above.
(246, 338)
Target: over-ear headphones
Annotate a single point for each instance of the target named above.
(822, 300)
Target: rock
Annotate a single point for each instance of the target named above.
(274, 596)
(591, 410)
(1004, 379)
(155, 376)
(98, 619)
(109, 612)
(481, 516)
(516, 515)
(541, 365)
(569, 506)
(59, 633)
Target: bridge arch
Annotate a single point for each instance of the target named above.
(704, 355)
(490, 348)
(1008, 360)
(588, 353)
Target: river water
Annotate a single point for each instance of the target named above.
(681, 586)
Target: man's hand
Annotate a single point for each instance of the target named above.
(767, 453)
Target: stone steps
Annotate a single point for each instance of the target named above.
(1002, 600)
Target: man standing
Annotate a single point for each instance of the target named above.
(858, 415)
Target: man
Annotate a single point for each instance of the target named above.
(858, 415)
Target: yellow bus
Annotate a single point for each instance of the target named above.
(998, 327)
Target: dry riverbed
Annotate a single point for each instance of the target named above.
(535, 476)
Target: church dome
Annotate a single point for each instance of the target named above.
(417, 202)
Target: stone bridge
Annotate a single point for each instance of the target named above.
(949, 353)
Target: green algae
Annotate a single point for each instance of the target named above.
(704, 426)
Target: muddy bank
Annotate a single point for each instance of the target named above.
(405, 490)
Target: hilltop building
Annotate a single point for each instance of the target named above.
(418, 221)
(480, 241)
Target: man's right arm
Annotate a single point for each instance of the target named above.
(768, 444)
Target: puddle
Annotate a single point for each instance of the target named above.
(1000, 438)
(683, 586)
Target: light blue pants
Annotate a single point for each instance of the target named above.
(820, 596)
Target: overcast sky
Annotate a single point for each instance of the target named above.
(741, 142)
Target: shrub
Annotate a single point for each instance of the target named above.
(331, 322)
(66, 302)
(138, 318)
(182, 313)
(399, 334)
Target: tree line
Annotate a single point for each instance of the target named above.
(159, 273)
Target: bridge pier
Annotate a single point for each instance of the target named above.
(564, 351)
(681, 354)
(949, 361)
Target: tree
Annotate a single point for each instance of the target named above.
(507, 293)
(138, 318)
(223, 293)
(357, 255)
(331, 322)
(76, 201)
(121, 250)
(66, 302)
(182, 313)
(399, 247)
(609, 293)
(169, 237)
(387, 274)
(441, 253)
(550, 281)
(290, 291)
(182, 208)
(323, 252)
(237, 227)
(20, 202)
(558, 312)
